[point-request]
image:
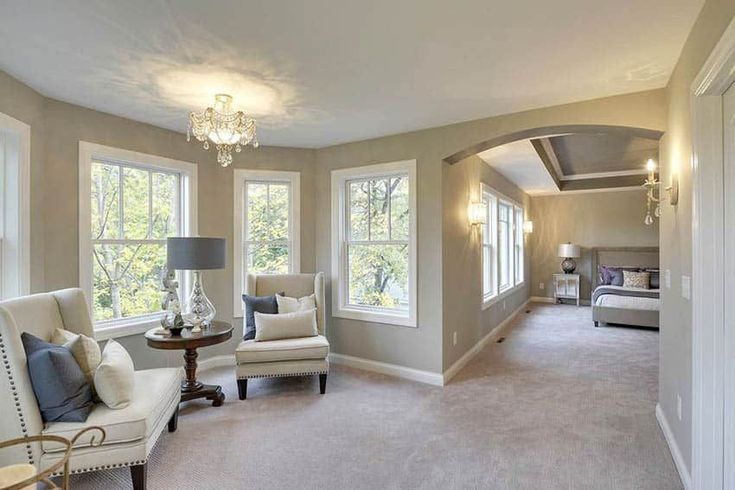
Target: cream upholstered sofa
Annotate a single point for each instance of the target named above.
(288, 357)
(131, 431)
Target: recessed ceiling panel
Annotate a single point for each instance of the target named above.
(519, 163)
(595, 153)
(321, 72)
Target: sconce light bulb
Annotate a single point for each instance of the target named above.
(650, 165)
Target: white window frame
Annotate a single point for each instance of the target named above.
(489, 244)
(492, 224)
(88, 152)
(340, 307)
(519, 246)
(240, 225)
(15, 208)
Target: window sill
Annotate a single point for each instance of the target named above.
(503, 294)
(126, 327)
(374, 317)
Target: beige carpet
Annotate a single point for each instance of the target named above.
(558, 405)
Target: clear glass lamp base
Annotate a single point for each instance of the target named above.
(201, 310)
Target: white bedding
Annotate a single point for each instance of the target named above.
(628, 302)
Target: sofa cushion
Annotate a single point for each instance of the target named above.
(250, 351)
(155, 389)
(61, 389)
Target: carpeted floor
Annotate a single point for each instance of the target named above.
(558, 405)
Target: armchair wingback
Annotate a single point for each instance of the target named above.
(131, 431)
(288, 357)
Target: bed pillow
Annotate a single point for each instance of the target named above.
(257, 304)
(604, 277)
(62, 391)
(285, 325)
(114, 379)
(616, 276)
(636, 279)
(290, 305)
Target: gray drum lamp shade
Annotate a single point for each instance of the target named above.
(195, 253)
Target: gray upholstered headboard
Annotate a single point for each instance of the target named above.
(623, 257)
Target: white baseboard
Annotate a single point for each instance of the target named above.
(490, 337)
(427, 377)
(541, 299)
(686, 479)
(216, 361)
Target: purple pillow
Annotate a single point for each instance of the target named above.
(604, 276)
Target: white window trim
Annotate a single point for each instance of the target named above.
(294, 222)
(87, 153)
(518, 231)
(490, 227)
(340, 309)
(489, 301)
(17, 283)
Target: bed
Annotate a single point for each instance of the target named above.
(625, 305)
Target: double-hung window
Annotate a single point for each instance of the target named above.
(502, 245)
(129, 204)
(374, 243)
(267, 227)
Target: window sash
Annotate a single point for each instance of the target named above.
(247, 242)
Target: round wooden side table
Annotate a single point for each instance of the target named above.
(189, 342)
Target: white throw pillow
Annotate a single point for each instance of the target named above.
(86, 350)
(285, 325)
(290, 305)
(114, 379)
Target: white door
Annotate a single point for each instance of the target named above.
(729, 334)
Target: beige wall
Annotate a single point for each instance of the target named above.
(462, 258)
(675, 373)
(599, 219)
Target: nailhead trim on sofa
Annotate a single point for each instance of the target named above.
(14, 392)
(282, 375)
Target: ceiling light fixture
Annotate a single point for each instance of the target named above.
(224, 127)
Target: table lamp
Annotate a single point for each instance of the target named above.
(568, 252)
(196, 254)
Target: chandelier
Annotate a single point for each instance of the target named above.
(225, 128)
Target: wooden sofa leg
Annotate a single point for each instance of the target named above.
(322, 383)
(173, 422)
(139, 475)
(242, 388)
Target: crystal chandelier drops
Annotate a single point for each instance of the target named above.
(651, 185)
(223, 127)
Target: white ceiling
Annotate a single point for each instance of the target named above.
(519, 163)
(320, 72)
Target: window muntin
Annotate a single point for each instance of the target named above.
(377, 243)
(133, 210)
(268, 240)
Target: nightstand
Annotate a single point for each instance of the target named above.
(566, 286)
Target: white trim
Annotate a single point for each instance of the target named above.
(223, 360)
(637, 188)
(481, 344)
(709, 360)
(673, 448)
(89, 151)
(541, 299)
(396, 370)
(602, 175)
(21, 199)
(339, 309)
(240, 177)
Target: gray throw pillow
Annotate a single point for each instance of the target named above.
(616, 276)
(261, 304)
(61, 389)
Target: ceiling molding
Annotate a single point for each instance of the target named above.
(547, 159)
(601, 183)
(602, 175)
(589, 191)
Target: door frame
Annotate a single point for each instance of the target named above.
(708, 300)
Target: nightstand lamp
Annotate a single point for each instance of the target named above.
(568, 252)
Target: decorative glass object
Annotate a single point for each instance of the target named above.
(224, 127)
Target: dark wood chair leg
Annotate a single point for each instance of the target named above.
(139, 475)
(173, 422)
(242, 388)
(322, 383)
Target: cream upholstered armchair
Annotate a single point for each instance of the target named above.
(287, 357)
(131, 431)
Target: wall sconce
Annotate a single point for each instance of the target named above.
(528, 226)
(673, 190)
(477, 213)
